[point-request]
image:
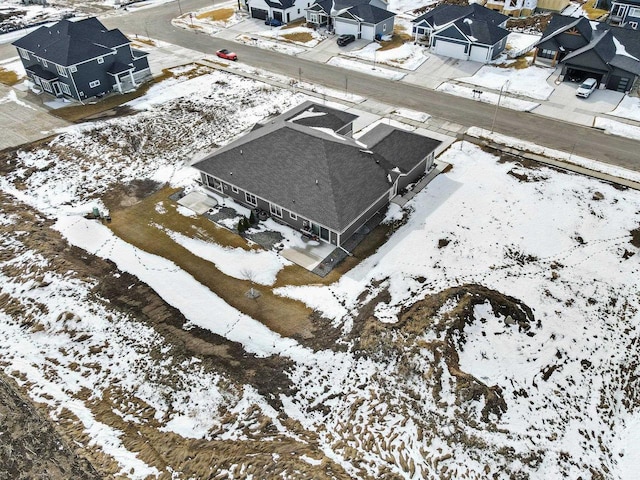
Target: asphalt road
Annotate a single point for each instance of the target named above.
(584, 141)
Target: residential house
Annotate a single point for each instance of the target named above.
(513, 8)
(82, 59)
(586, 48)
(367, 19)
(625, 13)
(306, 170)
(284, 10)
(470, 32)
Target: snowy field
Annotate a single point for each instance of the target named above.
(455, 388)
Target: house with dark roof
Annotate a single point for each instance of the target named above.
(81, 59)
(284, 10)
(470, 32)
(586, 48)
(513, 8)
(366, 19)
(305, 169)
(622, 13)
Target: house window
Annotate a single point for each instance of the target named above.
(547, 53)
(313, 18)
(293, 216)
(234, 189)
(73, 69)
(384, 27)
(633, 25)
(61, 71)
(65, 88)
(24, 54)
(47, 86)
(100, 60)
(251, 199)
(634, 12)
(94, 84)
(44, 63)
(275, 210)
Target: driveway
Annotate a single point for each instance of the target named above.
(23, 118)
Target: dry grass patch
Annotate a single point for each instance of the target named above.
(143, 41)
(297, 23)
(9, 77)
(298, 37)
(519, 63)
(137, 225)
(219, 15)
(592, 12)
(399, 37)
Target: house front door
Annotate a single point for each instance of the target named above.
(56, 89)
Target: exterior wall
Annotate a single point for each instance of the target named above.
(499, 47)
(385, 27)
(290, 218)
(93, 71)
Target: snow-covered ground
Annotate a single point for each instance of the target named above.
(617, 128)
(629, 108)
(529, 82)
(372, 69)
(408, 56)
(487, 97)
(386, 405)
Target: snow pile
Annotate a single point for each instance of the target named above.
(629, 108)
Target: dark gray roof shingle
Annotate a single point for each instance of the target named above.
(68, 43)
(325, 177)
(445, 14)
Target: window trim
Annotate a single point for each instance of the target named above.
(234, 189)
(73, 68)
(634, 12)
(94, 84)
(293, 216)
(44, 63)
(248, 197)
(61, 71)
(24, 54)
(65, 88)
(275, 210)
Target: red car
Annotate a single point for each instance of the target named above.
(224, 53)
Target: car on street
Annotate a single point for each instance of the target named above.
(274, 22)
(226, 54)
(345, 40)
(586, 88)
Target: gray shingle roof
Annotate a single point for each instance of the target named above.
(280, 4)
(370, 14)
(68, 43)
(445, 14)
(399, 148)
(313, 115)
(480, 31)
(314, 172)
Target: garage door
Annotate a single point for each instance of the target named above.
(479, 54)
(346, 28)
(258, 13)
(368, 32)
(449, 49)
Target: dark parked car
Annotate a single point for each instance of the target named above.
(345, 40)
(274, 22)
(224, 53)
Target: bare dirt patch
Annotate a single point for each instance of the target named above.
(298, 37)
(31, 447)
(8, 77)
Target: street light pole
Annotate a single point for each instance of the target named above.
(495, 114)
(180, 7)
